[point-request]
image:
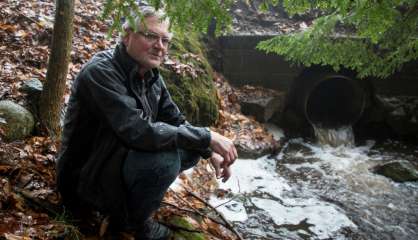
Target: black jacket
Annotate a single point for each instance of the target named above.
(110, 111)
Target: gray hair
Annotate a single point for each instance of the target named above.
(145, 11)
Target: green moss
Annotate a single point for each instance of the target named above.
(192, 88)
(185, 235)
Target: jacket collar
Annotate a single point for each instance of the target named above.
(131, 67)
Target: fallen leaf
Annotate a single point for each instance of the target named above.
(10, 236)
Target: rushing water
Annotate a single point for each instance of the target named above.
(342, 136)
(312, 191)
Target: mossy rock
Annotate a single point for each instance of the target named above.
(398, 171)
(193, 91)
(182, 234)
(15, 120)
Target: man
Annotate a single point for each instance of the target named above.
(125, 140)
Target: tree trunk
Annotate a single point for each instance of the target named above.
(51, 97)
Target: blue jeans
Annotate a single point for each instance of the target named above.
(147, 176)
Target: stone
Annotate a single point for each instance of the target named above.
(260, 102)
(262, 108)
(245, 152)
(402, 113)
(389, 117)
(15, 121)
(398, 171)
(402, 126)
(32, 86)
(248, 149)
(33, 89)
(294, 124)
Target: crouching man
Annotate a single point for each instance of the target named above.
(125, 141)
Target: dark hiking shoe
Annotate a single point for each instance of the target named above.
(153, 231)
(118, 236)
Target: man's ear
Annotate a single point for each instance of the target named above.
(126, 36)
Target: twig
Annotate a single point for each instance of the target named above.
(228, 224)
(53, 210)
(230, 200)
(28, 18)
(187, 203)
(197, 211)
(180, 208)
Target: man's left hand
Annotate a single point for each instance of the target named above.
(221, 166)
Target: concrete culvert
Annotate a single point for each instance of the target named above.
(334, 101)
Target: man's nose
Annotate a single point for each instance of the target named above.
(159, 43)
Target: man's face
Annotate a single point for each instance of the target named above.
(148, 46)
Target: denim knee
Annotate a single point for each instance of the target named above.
(151, 168)
(188, 159)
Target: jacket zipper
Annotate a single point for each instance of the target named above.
(142, 97)
(144, 100)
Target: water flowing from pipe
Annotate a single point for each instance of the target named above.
(342, 136)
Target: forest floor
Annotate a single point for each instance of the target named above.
(29, 205)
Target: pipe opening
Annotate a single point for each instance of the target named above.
(334, 102)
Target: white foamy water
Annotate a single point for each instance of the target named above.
(324, 218)
(254, 178)
(345, 175)
(341, 158)
(232, 210)
(253, 175)
(321, 192)
(275, 131)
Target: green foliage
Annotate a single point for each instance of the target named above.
(195, 14)
(117, 11)
(374, 38)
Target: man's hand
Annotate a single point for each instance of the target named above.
(222, 170)
(224, 147)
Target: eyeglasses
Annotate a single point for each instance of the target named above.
(153, 38)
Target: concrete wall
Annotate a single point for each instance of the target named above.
(403, 83)
(242, 64)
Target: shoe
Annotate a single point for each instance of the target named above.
(153, 230)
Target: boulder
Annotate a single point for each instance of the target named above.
(15, 121)
(245, 152)
(398, 171)
(389, 117)
(262, 103)
(261, 108)
(402, 115)
(250, 149)
(294, 124)
(189, 78)
(33, 89)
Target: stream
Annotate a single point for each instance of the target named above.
(322, 191)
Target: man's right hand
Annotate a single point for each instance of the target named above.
(224, 147)
(221, 169)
